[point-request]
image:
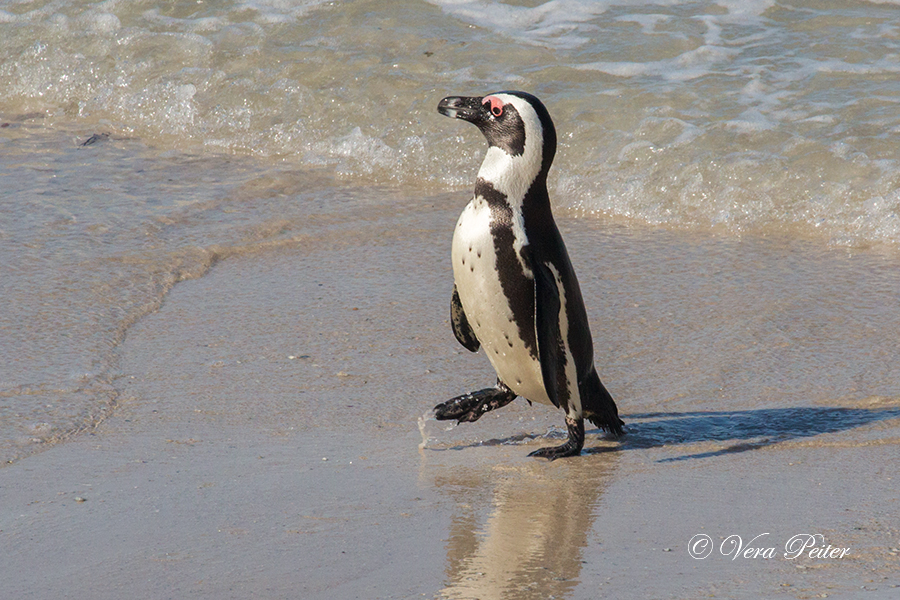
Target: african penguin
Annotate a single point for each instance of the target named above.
(515, 293)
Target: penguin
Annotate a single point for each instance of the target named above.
(515, 293)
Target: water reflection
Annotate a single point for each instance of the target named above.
(520, 531)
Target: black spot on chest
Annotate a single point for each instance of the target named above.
(518, 288)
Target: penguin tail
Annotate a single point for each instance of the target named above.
(598, 405)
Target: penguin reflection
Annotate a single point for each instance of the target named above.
(532, 543)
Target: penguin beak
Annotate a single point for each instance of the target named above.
(458, 107)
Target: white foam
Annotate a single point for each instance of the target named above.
(198, 25)
(360, 152)
(750, 121)
(275, 12)
(725, 113)
(648, 23)
(689, 65)
(745, 8)
(423, 422)
(105, 23)
(557, 23)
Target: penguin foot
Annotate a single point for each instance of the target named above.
(469, 407)
(571, 448)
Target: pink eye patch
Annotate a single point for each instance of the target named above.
(496, 105)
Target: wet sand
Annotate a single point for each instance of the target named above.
(266, 443)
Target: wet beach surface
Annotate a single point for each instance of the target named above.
(225, 279)
(266, 439)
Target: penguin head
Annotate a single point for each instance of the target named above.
(515, 123)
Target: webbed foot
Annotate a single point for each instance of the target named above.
(469, 407)
(571, 448)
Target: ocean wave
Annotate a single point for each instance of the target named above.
(714, 114)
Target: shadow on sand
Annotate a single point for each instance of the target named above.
(747, 429)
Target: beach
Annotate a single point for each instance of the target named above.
(225, 276)
(266, 439)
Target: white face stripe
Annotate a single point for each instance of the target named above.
(512, 175)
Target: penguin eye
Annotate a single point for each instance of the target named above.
(496, 106)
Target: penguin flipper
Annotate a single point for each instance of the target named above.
(546, 317)
(461, 328)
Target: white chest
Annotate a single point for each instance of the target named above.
(487, 307)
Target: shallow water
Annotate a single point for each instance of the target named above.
(92, 239)
(744, 116)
